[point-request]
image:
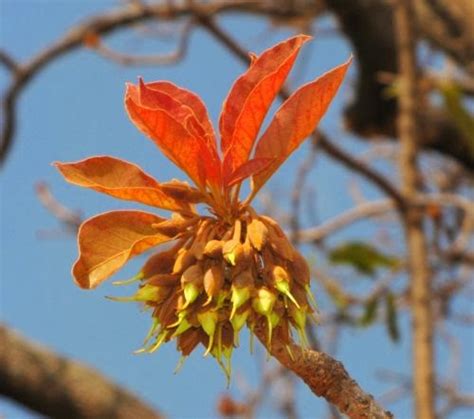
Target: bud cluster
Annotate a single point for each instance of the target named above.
(219, 277)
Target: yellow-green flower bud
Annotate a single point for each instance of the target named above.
(263, 302)
(281, 281)
(238, 298)
(191, 292)
(208, 321)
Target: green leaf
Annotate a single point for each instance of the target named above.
(370, 312)
(391, 317)
(362, 257)
(456, 109)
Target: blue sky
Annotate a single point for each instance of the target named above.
(74, 109)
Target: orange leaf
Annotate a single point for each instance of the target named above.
(251, 97)
(296, 118)
(120, 179)
(249, 168)
(191, 100)
(107, 241)
(174, 129)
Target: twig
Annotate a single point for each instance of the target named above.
(159, 59)
(71, 219)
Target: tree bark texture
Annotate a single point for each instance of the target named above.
(408, 130)
(58, 387)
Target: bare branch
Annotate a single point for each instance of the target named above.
(419, 269)
(59, 387)
(159, 59)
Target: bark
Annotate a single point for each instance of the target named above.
(421, 293)
(58, 387)
(369, 25)
(326, 378)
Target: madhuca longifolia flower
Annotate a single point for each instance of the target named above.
(210, 275)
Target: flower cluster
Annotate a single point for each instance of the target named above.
(232, 267)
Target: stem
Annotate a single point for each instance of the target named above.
(326, 377)
(422, 322)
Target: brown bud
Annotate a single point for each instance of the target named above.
(184, 259)
(299, 269)
(176, 225)
(213, 248)
(230, 249)
(159, 263)
(164, 280)
(193, 275)
(213, 280)
(167, 312)
(257, 232)
(188, 340)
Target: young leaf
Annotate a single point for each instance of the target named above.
(119, 179)
(362, 257)
(159, 117)
(249, 168)
(391, 317)
(296, 119)
(370, 312)
(251, 97)
(107, 241)
(191, 100)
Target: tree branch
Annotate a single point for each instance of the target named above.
(326, 378)
(58, 387)
(369, 26)
(420, 275)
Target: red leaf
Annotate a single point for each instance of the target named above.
(250, 98)
(107, 241)
(175, 130)
(191, 100)
(249, 168)
(296, 118)
(120, 179)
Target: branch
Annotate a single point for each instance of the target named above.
(369, 26)
(59, 387)
(383, 206)
(148, 59)
(326, 378)
(420, 290)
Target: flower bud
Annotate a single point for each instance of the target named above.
(159, 263)
(257, 232)
(299, 318)
(238, 320)
(281, 282)
(213, 281)
(242, 286)
(300, 269)
(184, 259)
(208, 321)
(264, 301)
(213, 248)
(230, 250)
